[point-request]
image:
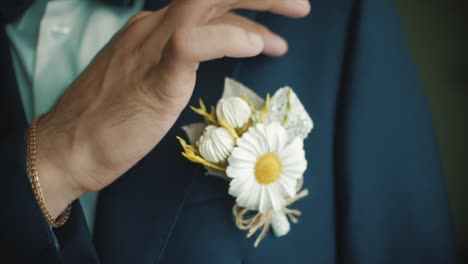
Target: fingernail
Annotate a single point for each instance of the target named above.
(255, 39)
(280, 46)
(304, 4)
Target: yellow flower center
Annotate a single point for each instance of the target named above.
(268, 168)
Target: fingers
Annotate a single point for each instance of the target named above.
(181, 15)
(186, 50)
(189, 13)
(214, 41)
(186, 14)
(274, 45)
(156, 27)
(196, 12)
(289, 8)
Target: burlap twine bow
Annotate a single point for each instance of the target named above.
(246, 219)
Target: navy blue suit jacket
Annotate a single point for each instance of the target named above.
(377, 193)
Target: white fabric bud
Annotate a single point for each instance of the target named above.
(234, 110)
(280, 224)
(216, 144)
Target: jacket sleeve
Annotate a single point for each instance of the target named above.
(26, 237)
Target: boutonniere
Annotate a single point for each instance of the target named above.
(257, 145)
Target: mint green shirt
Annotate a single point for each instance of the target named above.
(51, 44)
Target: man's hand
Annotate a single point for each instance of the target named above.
(127, 99)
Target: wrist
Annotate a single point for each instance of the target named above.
(58, 188)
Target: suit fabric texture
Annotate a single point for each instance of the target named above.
(377, 194)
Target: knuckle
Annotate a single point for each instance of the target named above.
(179, 44)
(125, 52)
(133, 19)
(137, 17)
(129, 59)
(126, 59)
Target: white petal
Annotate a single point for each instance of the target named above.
(259, 133)
(272, 141)
(282, 137)
(293, 160)
(249, 197)
(254, 198)
(287, 186)
(292, 148)
(272, 137)
(236, 187)
(238, 184)
(295, 170)
(265, 201)
(242, 200)
(298, 169)
(277, 201)
(298, 164)
(236, 172)
(276, 136)
(294, 156)
(243, 154)
(249, 142)
(292, 174)
(233, 162)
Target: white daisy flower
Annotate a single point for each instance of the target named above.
(264, 168)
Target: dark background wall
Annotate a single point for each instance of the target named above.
(438, 36)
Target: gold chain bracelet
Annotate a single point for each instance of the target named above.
(31, 155)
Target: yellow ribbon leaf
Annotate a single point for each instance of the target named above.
(210, 118)
(265, 108)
